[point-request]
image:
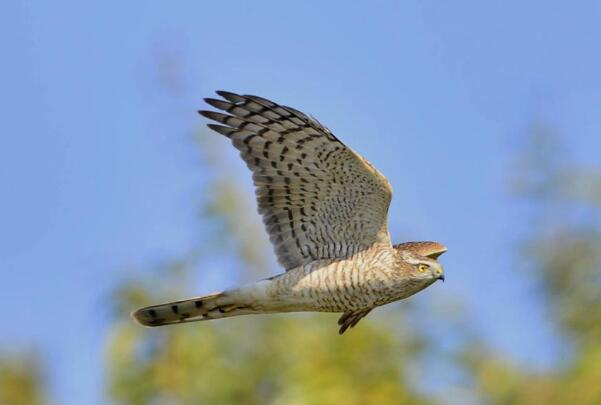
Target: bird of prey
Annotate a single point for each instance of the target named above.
(325, 210)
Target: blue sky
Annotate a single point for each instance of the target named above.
(100, 175)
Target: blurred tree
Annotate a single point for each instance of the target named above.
(20, 380)
(291, 359)
(563, 252)
(299, 358)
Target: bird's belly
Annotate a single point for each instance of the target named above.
(338, 287)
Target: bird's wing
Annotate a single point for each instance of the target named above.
(318, 198)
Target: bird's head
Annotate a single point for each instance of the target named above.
(424, 268)
(422, 258)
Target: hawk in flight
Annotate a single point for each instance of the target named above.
(325, 210)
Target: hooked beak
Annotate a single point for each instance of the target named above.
(438, 272)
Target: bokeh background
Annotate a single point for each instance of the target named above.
(483, 115)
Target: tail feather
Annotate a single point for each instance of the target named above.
(213, 306)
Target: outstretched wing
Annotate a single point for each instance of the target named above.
(318, 198)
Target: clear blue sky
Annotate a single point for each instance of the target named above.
(99, 173)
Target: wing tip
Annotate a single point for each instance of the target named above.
(213, 115)
(230, 96)
(220, 104)
(220, 129)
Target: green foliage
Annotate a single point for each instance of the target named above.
(300, 358)
(280, 359)
(258, 360)
(20, 380)
(564, 253)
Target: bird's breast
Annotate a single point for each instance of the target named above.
(364, 280)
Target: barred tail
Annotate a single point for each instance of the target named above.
(213, 306)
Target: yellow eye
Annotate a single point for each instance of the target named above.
(423, 267)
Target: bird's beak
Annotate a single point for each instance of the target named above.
(441, 277)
